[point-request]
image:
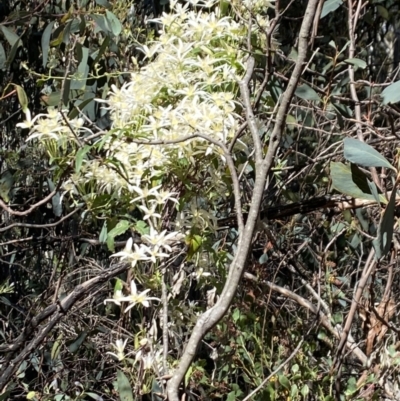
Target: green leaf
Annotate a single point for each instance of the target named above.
(142, 228)
(58, 36)
(374, 190)
(383, 12)
(284, 381)
(79, 81)
(13, 52)
(55, 349)
(102, 49)
(345, 180)
(124, 387)
(101, 23)
(307, 93)
(46, 42)
(361, 153)
(80, 154)
(194, 243)
(104, 3)
(7, 180)
(294, 391)
(356, 62)
(22, 98)
(75, 344)
(391, 94)
(119, 229)
(95, 396)
(119, 285)
(103, 233)
(3, 57)
(78, 107)
(360, 179)
(100, 201)
(231, 396)
(66, 92)
(113, 23)
(351, 386)
(305, 390)
(11, 37)
(383, 240)
(330, 6)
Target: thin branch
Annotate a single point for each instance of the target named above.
(212, 316)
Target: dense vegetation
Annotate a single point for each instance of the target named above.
(199, 200)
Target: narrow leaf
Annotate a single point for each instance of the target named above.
(356, 62)
(22, 98)
(103, 233)
(124, 387)
(3, 57)
(75, 344)
(80, 154)
(79, 81)
(383, 240)
(374, 190)
(13, 52)
(361, 153)
(45, 41)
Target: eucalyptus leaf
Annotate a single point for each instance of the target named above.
(391, 94)
(13, 52)
(374, 190)
(104, 3)
(361, 153)
(79, 81)
(307, 93)
(3, 57)
(113, 23)
(101, 23)
(329, 7)
(124, 387)
(45, 41)
(347, 182)
(11, 37)
(74, 345)
(383, 240)
(356, 62)
(78, 107)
